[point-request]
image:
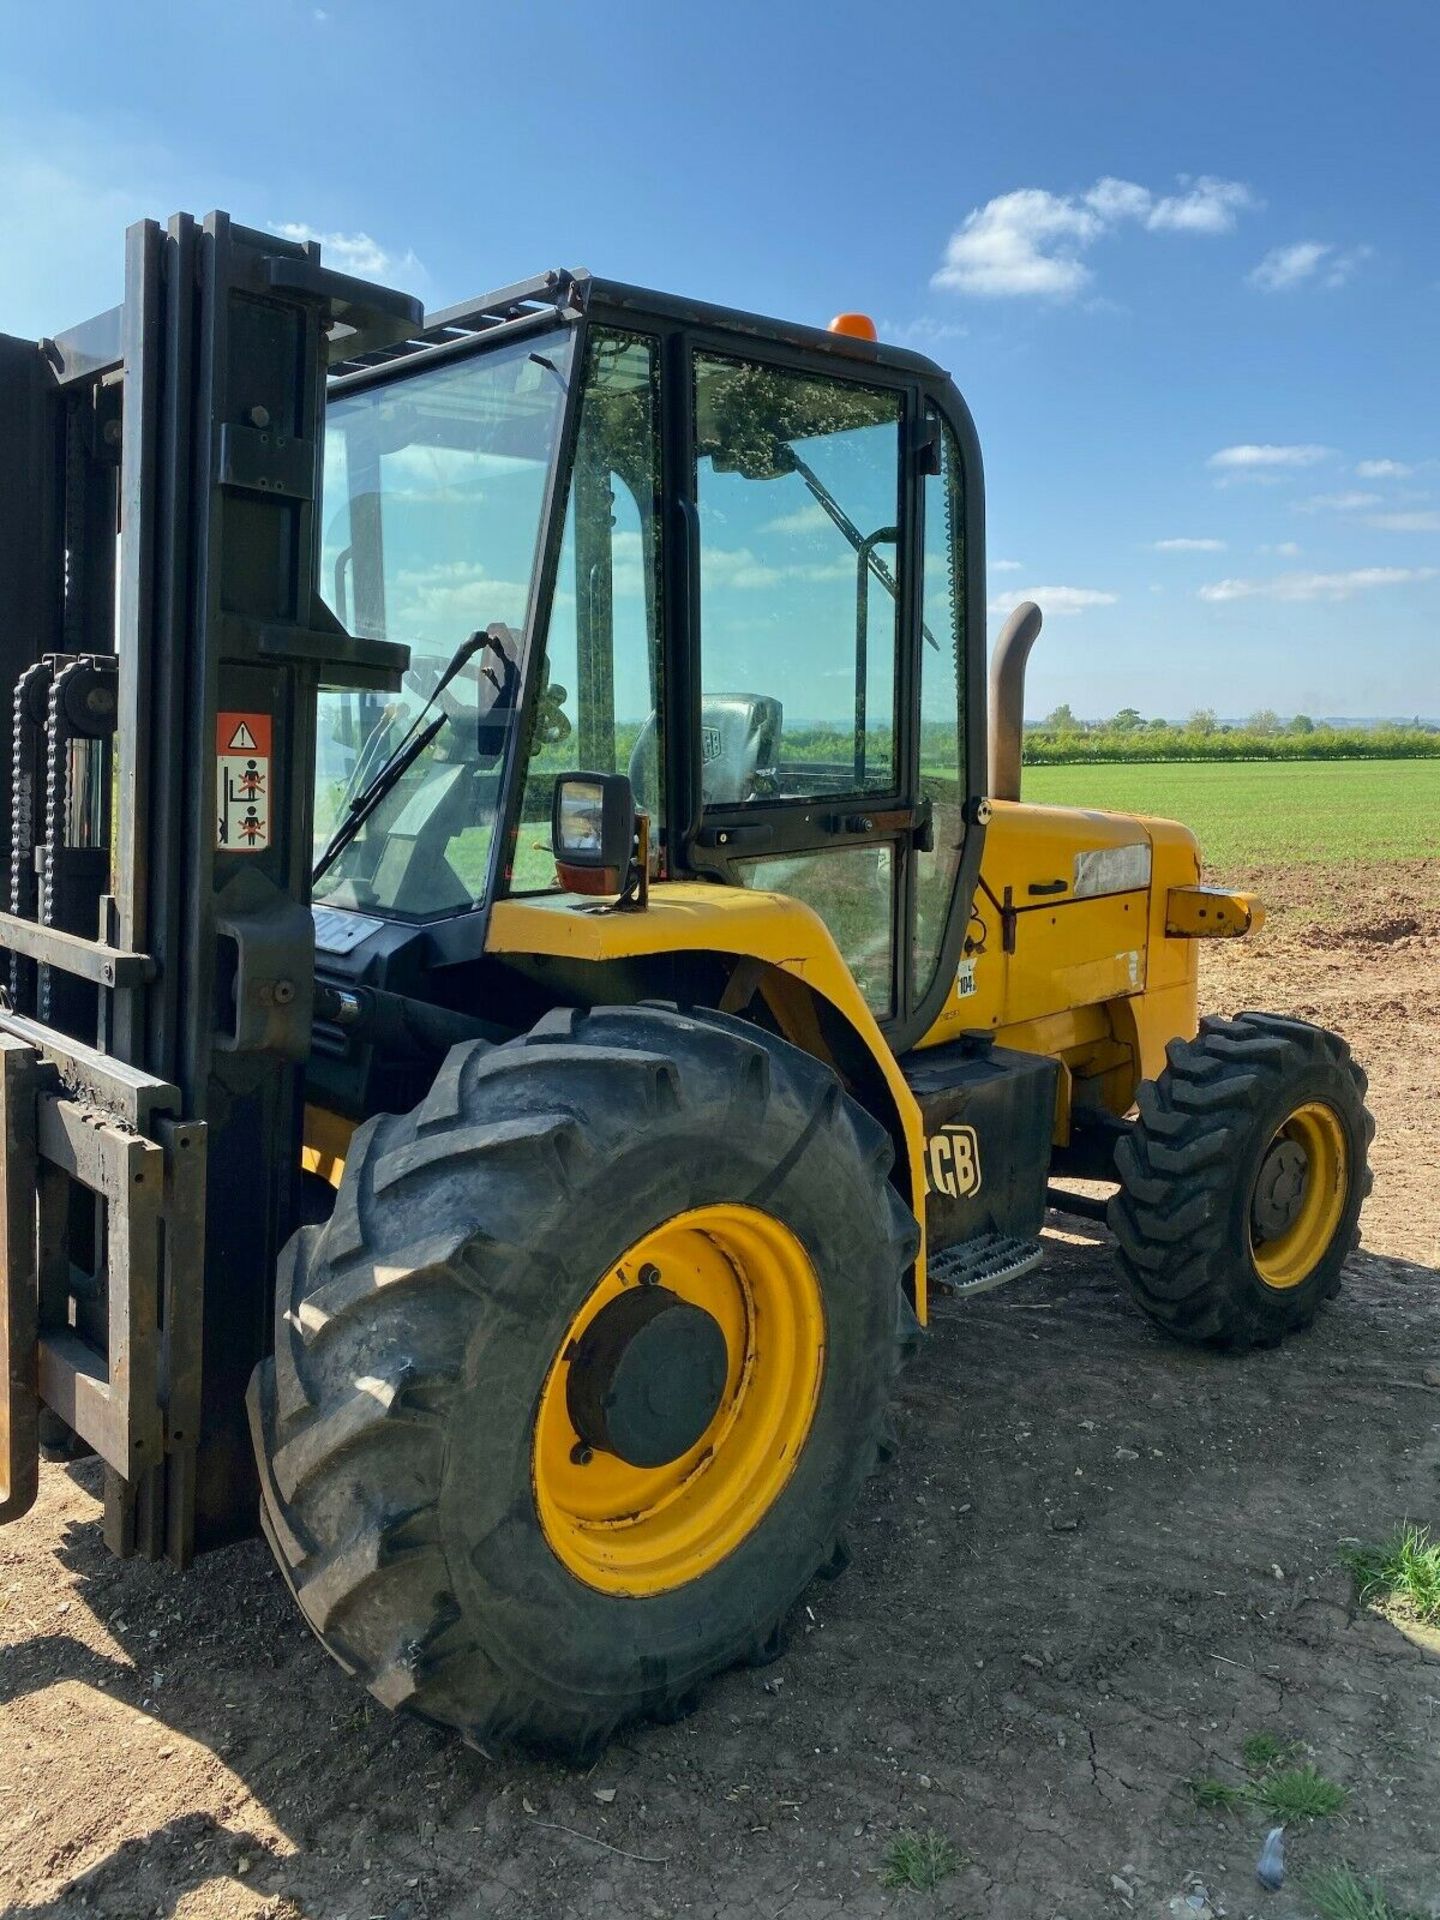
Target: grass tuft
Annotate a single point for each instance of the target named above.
(1337, 1893)
(1406, 1567)
(1262, 1751)
(1213, 1794)
(918, 1860)
(1298, 1793)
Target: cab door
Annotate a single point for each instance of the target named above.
(803, 518)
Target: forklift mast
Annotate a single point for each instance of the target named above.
(158, 820)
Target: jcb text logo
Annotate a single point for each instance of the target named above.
(952, 1162)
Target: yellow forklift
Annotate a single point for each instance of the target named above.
(523, 976)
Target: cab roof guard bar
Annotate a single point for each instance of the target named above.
(555, 294)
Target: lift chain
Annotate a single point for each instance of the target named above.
(81, 706)
(31, 697)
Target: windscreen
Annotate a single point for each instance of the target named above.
(435, 487)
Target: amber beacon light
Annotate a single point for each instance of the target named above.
(858, 325)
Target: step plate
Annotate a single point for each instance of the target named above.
(989, 1260)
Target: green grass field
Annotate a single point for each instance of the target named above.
(1255, 814)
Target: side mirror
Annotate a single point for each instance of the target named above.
(592, 831)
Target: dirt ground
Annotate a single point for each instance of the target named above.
(1098, 1563)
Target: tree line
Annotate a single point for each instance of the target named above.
(1061, 739)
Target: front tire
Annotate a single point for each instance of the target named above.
(1242, 1181)
(485, 1505)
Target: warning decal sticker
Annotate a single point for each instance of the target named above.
(242, 755)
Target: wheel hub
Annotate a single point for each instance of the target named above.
(628, 1528)
(1280, 1189)
(647, 1377)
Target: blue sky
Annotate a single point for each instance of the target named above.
(1183, 263)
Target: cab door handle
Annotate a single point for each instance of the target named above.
(1048, 886)
(748, 834)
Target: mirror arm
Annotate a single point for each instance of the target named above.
(636, 895)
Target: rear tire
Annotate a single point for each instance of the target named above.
(399, 1425)
(1203, 1240)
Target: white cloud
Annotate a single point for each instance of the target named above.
(1250, 458)
(1054, 600)
(808, 519)
(1426, 520)
(1183, 545)
(354, 253)
(1383, 470)
(1030, 241)
(1118, 200)
(1023, 242)
(1317, 586)
(1285, 268)
(1350, 502)
(453, 597)
(739, 568)
(1287, 549)
(921, 333)
(1004, 566)
(1207, 206)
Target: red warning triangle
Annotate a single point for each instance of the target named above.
(242, 740)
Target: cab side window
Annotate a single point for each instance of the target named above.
(798, 490)
(797, 487)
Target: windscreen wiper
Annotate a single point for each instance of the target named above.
(416, 739)
(863, 549)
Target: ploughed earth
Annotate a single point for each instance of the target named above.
(1098, 1565)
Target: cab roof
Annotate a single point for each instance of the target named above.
(568, 293)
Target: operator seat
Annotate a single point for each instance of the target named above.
(739, 751)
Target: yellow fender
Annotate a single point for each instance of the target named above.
(692, 916)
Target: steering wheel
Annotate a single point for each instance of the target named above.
(739, 750)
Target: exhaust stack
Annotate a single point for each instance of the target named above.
(1007, 699)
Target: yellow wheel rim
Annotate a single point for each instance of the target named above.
(1303, 1181)
(645, 1530)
